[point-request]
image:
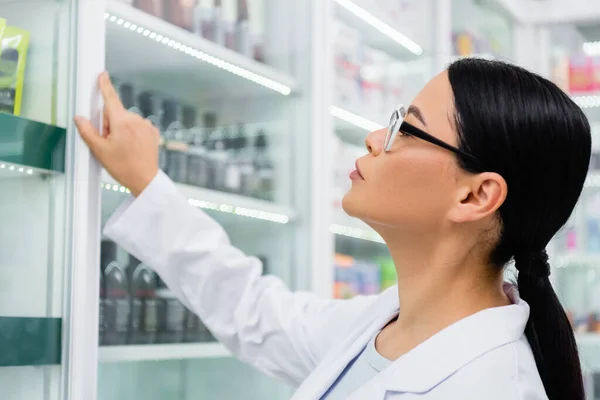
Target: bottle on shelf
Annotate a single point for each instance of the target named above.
(147, 105)
(255, 41)
(152, 7)
(210, 127)
(244, 160)
(218, 157)
(264, 184)
(205, 19)
(127, 94)
(171, 315)
(176, 142)
(195, 330)
(144, 306)
(229, 21)
(233, 174)
(114, 298)
(180, 13)
(198, 165)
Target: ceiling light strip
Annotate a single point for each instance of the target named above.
(381, 26)
(220, 207)
(356, 233)
(200, 55)
(354, 119)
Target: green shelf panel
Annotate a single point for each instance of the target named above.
(31, 143)
(30, 341)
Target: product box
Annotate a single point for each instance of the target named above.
(580, 74)
(345, 285)
(354, 277)
(13, 55)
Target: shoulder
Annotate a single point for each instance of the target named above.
(507, 372)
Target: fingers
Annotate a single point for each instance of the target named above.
(112, 103)
(90, 135)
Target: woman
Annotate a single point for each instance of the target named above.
(486, 165)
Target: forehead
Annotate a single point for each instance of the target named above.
(436, 102)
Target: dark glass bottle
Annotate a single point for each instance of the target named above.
(144, 305)
(171, 315)
(210, 132)
(147, 107)
(176, 142)
(198, 163)
(264, 184)
(116, 306)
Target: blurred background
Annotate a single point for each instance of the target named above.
(263, 107)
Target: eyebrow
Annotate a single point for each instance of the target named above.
(416, 111)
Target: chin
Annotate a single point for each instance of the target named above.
(351, 205)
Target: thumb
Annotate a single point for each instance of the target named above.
(90, 135)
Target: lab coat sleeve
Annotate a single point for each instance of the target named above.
(282, 333)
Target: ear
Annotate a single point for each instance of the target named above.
(478, 197)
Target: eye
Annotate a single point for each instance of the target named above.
(404, 134)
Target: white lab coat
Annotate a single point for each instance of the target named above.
(307, 341)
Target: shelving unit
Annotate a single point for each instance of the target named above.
(376, 31)
(162, 352)
(347, 226)
(227, 203)
(203, 67)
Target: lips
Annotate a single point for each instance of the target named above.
(357, 173)
(358, 169)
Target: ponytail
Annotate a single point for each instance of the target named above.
(548, 330)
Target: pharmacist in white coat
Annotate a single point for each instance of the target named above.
(460, 183)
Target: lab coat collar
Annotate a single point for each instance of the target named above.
(434, 360)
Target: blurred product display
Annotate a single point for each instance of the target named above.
(235, 24)
(234, 159)
(263, 108)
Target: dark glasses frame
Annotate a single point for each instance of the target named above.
(398, 124)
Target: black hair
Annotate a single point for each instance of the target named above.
(526, 129)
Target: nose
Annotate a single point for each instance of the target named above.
(375, 141)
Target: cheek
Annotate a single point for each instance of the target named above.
(412, 192)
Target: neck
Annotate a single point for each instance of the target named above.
(438, 285)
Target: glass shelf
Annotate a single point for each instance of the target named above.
(225, 203)
(375, 30)
(201, 65)
(156, 352)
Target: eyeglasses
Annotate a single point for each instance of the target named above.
(398, 124)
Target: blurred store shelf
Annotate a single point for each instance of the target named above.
(228, 203)
(578, 260)
(376, 32)
(344, 225)
(159, 352)
(351, 127)
(203, 67)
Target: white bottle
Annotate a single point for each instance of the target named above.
(229, 16)
(254, 41)
(205, 19)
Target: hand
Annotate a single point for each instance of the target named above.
(128, 147)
